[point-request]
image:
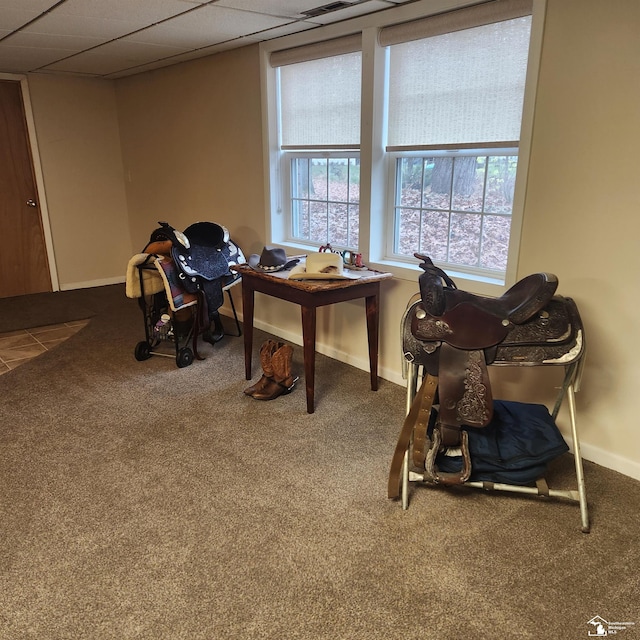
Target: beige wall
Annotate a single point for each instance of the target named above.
(191, 142)
(79, 145)
(191, 139)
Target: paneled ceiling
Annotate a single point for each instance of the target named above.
(115, 38)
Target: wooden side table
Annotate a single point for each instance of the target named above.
(311, 294)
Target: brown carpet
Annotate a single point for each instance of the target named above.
(139, 500)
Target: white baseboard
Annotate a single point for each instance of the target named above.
(92, 283)
(336, 354)
(609, 460)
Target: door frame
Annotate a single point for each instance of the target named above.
(38, 175)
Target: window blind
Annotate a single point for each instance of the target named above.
(320, 103)
(474, 16)
(316, 50)
(462, 85)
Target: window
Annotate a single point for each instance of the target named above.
(455, 208)
(406, 137)
(452, 96)
(319, 141)
(325, 199)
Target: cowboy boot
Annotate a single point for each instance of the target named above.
(266, 351)
(282, 381)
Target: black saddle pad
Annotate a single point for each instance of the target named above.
(202, 261)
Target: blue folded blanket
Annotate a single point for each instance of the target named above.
(514, 448)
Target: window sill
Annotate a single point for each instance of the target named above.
(478, 284)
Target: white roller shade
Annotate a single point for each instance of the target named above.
(320, 103)
(473, 16)
(459, 88)
(316, 50)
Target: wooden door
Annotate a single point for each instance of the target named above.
(24, 267)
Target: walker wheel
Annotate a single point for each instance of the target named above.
(184, 357)
(143, 351)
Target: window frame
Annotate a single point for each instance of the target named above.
(376, 164)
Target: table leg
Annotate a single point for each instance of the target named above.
(247, 321)
(373, 325)
(309, 353)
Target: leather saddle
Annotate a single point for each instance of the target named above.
(202, 255)
(454, 335)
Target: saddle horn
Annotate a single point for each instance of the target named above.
(432, 287)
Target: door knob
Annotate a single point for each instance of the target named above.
(31, 203)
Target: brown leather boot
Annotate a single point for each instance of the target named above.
(266, 352)
(282, 381)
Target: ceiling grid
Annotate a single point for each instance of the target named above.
(116, 38)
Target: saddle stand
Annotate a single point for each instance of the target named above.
(449, 338)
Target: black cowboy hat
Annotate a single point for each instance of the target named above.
(272, 259)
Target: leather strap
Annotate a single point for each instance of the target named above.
(543, 487)
(421, 443)
(417, 417)
(200, 313)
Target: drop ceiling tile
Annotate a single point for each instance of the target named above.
(186, 57)
(217, 48)
(20, 59)
(353, 11)
(49, 41)
(284, 8)
(140, 68)
(65, 25)
(139, 52)
(207, 25)
(94, 63)
(120, 55)
(159, 64)
(285, 30)
(188, 37)
(13, 18)
(147, 34)
(107, 19)
(37, 6)
(136, 14)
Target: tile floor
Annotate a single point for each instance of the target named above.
(18, 347)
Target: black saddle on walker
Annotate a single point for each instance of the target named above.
(202, 254)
